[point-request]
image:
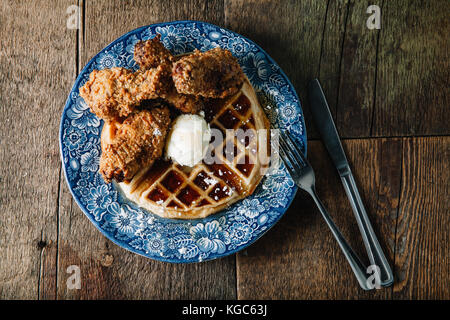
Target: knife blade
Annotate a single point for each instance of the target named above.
(327, 129)
(330, 137)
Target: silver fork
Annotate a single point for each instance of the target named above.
(303, 175)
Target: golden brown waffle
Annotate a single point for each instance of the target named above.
(172, 191)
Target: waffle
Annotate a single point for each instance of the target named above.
(172, 191)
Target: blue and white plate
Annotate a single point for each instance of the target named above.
(171, 240)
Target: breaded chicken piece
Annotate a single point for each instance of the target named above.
(133, 144)
(152, 53)
(183, 102)
(213, 74)
(115, 93)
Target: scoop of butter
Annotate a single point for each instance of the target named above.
(188, 140)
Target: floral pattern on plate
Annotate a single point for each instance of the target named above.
(172, 240)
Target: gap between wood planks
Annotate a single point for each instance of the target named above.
(387, 137)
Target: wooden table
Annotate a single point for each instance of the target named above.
(389, 94)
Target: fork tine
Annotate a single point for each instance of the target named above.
(292, 157)
(295, 145)
(293, 172)
(286, 161)
(292, 153)
(293, 148)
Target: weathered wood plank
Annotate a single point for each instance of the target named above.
(110, 272)
(355, 101)
(328, 40)
(107, 20)
(36, 68)
(299, 258)
(412, 95)
(334, 31)
(422, 256)
(107, 270)
(290, 32)
(331, 40)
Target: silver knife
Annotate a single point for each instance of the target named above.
(325, 124)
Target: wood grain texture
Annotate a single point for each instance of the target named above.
(36, 73)
(388, 83)
(299, 258)
(422, 260)
(347, 66)
(328, 40)
(412, 96)
(334, 30)
(357, 73)
(107, 20)
(407, 59)
(110, 272)
(107, 270)
(290, 32)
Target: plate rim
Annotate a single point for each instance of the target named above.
(125, 245)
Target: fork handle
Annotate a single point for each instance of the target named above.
(373, 248)
(355, 263)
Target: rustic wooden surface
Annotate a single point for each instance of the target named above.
(388, 91)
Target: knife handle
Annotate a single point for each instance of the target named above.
(357, 266)
(373, 248)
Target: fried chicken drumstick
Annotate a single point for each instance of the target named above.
(133, 144)
(212, 74)
(152, 53)
(114, 93)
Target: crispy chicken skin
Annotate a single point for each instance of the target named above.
(133, 144)
(213, 74)
(183, 102)
(152, 53)
(115, 93)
